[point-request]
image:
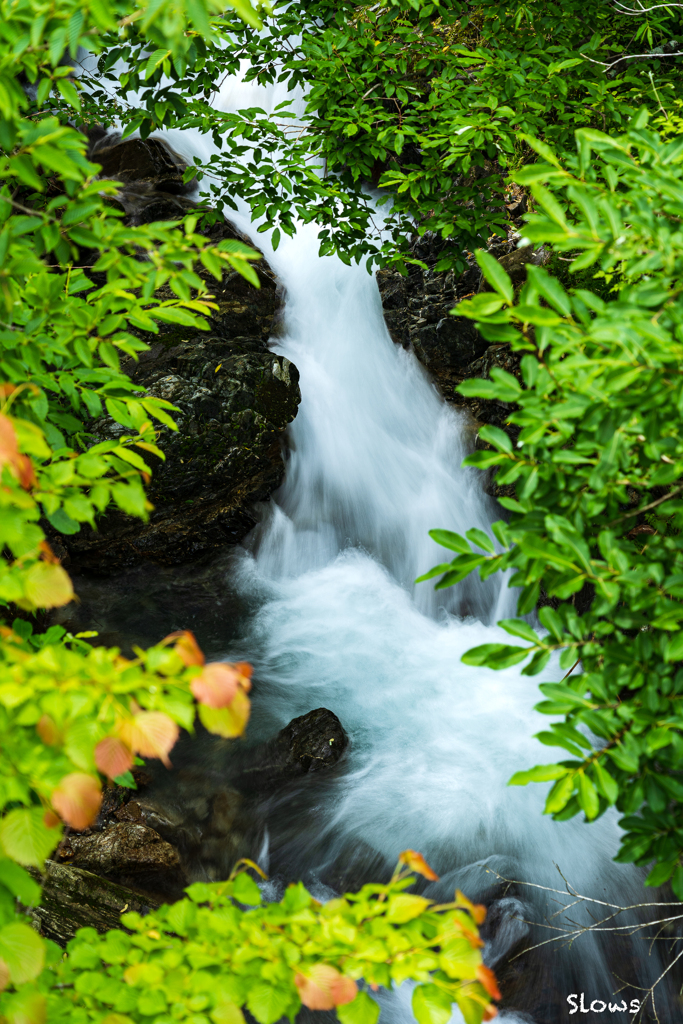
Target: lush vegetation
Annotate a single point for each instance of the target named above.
(433, 103)
(78, 288)
(595, 527)
(429, 101)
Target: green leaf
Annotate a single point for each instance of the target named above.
(19, 883)
(438, 570)
(520, 628)
(606, 784)
(453, 541)
(496, 276)
(541, 773)
(481, 539)
(23, 951)
(62, 522)
(588, 797)
(362, 1010)
(559, 794)
(267, 1003)
(431, 1005)
(25, 837)
(246, 890)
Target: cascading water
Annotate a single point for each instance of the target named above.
(374, 464)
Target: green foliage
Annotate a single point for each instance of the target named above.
(430, 101)
(208, 956)
(599, 454)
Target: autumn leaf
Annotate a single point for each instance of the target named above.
(4, 975)
(228, 722)
(48, 731)
(47, 585)
(245, 671)
(217, 685)
(476, 910)
(113, 757)
(51, 820)
(416, 862)
(150, 734)
(186, 647)
(77, 799)
(323, 988)
(487, 978)
(20, 465)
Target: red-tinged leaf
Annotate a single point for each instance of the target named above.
(113, 757)
(25, 472)
(48, 731)
(9, 451)
(416, 862)
(476, 910)
(487, 978)
(228, 722)
(186, 647)
(51, 820)
(47, 554)
(4, 975)
(150, 734)
(217, 685)
(490, 1012)
(245, 671)
(77, 799)
(323, 988)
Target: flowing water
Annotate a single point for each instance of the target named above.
(374, 463)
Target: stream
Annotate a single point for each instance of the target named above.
(336, 621)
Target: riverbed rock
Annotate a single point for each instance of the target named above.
(235, 397)
(73, 898)
(314, 742)
(129, 853)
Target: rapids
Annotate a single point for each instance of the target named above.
(374, 462)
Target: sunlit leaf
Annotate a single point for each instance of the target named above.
(77, 799)
(416, 862)
(150, 734)
(322, 987)
(113, 757)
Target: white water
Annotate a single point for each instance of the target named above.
(374, 464)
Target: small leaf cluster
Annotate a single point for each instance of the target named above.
(597, 462)
(221, 950)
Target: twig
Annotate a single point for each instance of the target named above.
(646, 508)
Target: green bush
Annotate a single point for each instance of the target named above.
(595, 526)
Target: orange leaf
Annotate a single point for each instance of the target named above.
(416, 862)
(4, 975)
(245, 671)
(113, 757)
(47, 554)
(323, 988)
(48, 731)
(51, 820)
(151, 734)
(9, 450)
(77, 799)
(25, 472)
(490, 1012)
(217, 685)
(476, 910)
(228, 722)
(186, 647)
(47, 586)
(487, 978)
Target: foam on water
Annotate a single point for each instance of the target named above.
(374, 464)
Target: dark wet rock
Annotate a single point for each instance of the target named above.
(127, 852)
(73, 898)
(234, 395)
(313, 742)
(417, 312)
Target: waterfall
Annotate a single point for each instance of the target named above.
(374, 463)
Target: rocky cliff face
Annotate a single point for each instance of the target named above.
(235, 397)
(417, 313)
